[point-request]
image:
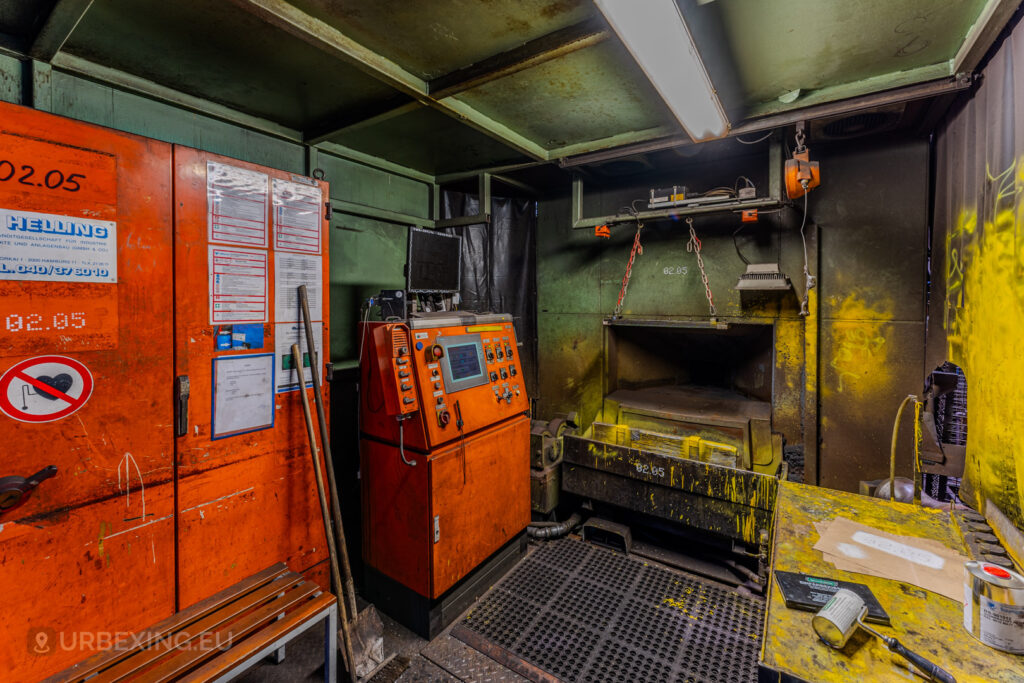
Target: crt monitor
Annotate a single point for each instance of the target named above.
(434, 262)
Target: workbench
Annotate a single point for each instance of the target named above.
(925, 622)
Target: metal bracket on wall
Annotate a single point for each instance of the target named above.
(483, 215)
(773, 200)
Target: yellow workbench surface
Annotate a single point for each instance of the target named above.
(925, 622)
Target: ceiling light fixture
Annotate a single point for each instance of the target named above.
(656, 34)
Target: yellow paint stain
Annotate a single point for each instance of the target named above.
(105, 529)
(984, 322)
(860, 353)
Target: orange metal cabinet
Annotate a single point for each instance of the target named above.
(92, 550)
(246, 499)
(429, 526)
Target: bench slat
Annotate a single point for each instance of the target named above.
(181, 663)
(180, 620)
(140, 659)
(258, 641)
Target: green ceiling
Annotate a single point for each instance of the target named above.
(451, 85)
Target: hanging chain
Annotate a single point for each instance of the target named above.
(694, 246)
(637, 249)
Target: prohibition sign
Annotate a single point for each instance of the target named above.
(44, 388)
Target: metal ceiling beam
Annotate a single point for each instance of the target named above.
(125, 81)
(530, 54)
(13, 46)
(331, 41)
(987, 27)
(379, 112)
(907, 94)
(63, 19)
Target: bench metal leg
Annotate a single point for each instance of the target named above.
(331, 645)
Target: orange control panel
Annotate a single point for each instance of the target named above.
(467, 377)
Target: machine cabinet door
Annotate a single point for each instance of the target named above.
(480, 499)
(246, 491)
(85, 374)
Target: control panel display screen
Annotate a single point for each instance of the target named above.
(464, 361)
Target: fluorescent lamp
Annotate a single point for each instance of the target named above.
(656, 34)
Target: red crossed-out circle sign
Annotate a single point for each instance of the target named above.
(44, 388)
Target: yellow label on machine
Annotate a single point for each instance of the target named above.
(484, 328)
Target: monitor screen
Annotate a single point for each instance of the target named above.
(434, 261)
(464, 361)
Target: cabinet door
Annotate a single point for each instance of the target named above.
(86, 367)
(246, 492)
(480, 497)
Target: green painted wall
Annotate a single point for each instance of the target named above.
(366, 255)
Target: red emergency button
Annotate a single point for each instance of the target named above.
(437, 350)
(995, 571)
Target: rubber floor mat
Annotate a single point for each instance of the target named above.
(571, 611)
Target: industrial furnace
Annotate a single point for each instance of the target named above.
(684, 432)
(444, 460)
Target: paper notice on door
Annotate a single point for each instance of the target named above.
(236, 201)
(243, 394)
(295, 333)
(290, 272)
(238, 285)
(297, 219)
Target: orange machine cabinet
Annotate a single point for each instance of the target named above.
(86, 286)
(444, 458)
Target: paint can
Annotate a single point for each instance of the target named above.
(994, 606)
(837, 620)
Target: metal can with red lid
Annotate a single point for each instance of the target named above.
(994, 606)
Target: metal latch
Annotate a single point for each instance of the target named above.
(437, 528)
(181, 392)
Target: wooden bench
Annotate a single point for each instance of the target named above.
(220, 637)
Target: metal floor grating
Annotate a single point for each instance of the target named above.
(587, 614)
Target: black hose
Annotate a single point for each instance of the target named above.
(556, 530)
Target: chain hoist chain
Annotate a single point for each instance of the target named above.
(637, 249)
(694, 246)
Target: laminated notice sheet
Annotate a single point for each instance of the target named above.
(236, 201)
(243, 394)
(297, 217)
(291, 271)
(238, 285)
(295, 333)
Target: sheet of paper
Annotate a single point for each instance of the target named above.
(286, 334)
(291, 271)
(243, 394)
(238, 285)
(236, 201)
(43, 246)
(923, 562)
(297, 217)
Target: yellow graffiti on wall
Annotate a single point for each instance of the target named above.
(859, 350)
(984, 323)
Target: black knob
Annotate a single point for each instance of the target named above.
(504, 373)
(512, 370)
(494, 377)
(500, 356)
